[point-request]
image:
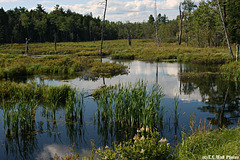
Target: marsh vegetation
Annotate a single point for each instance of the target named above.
(140, 99)
(31, 108)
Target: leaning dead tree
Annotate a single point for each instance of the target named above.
(156, 24)
(225, 30)
(180, 25)
(103, 22)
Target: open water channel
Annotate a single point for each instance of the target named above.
(201, 96)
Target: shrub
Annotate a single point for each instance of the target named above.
(144, 145)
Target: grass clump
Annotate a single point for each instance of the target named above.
(218, 142)
(108, 69)
(32, 91)
(19, 103)
(18, 65)
(131, 105)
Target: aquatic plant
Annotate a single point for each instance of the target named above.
(19, 114)
(74, 106)
(131, 105)
(20, 101)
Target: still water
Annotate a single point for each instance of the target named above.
(200, 96)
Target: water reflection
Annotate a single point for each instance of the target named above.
(221, 97)
(50, 131)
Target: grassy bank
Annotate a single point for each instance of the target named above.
(224, 142)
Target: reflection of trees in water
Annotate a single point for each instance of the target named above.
(213, 90)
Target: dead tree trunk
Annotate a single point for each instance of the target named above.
(129, 38)
(103, 22)
(237, 52)
(225, 30)
(55, 42)
(156, 25)
(26, 49)
(180, 26)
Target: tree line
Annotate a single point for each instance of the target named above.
(202, 24)
(195, 25)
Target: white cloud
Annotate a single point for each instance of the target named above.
(45, 2)
(136, 10)
(3, 1)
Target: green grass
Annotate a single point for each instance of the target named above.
(217, 142)
(141, 50)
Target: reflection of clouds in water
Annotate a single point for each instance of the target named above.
(149, 69)
(167, 78)
(140, 68)
(171, 69)
(49, 152)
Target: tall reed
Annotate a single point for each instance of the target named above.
(131, 105)
(20, 101)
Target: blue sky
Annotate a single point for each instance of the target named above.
(118, 10)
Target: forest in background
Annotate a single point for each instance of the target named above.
(201, 25)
